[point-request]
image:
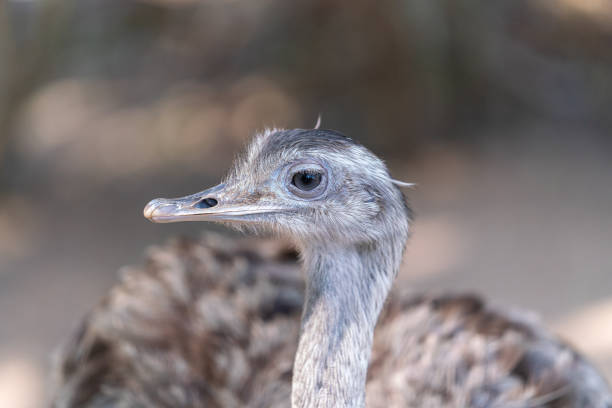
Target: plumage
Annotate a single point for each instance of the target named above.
(226, 322)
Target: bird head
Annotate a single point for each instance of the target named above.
(310, 185)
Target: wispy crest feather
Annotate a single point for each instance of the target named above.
(403, 183)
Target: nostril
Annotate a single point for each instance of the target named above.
(206, 203)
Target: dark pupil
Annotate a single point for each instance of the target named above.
(306, 180)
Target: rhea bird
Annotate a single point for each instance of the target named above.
(229, 323)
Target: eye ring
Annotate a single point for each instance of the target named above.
(307, 180)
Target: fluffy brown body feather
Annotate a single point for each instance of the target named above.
(215, 324)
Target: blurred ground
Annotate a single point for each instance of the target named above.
(500, 113)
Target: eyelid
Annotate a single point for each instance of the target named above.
(307, 168)
(307, 171)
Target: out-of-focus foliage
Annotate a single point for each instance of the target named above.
(166, 79)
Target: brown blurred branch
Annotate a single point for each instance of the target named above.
(7, 60)
(23, 66)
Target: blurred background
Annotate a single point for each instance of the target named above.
(500, 111)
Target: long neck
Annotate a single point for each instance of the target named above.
(345, 291)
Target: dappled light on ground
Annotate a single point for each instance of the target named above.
(22, 383)
(589, 329)
(435, 248)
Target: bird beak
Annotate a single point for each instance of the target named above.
(214, 204)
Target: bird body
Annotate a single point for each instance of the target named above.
(227, 323)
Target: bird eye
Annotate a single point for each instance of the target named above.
(306, 180)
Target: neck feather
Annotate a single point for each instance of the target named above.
(346, 288)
